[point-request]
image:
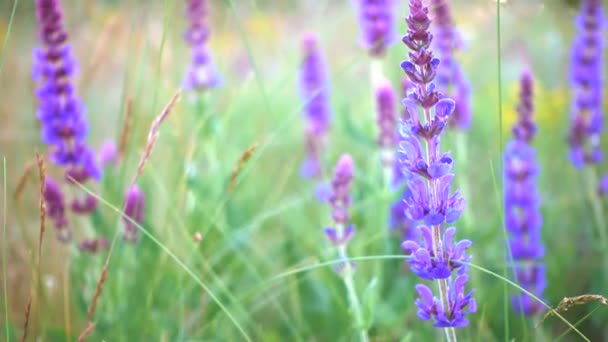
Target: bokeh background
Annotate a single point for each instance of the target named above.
(271, 223)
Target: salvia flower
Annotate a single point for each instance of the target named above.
(55, 209)
(429, 201)
(450, 76)
(340, 201)
(586, 80)
(377, 24)
(459, 303)
(523, 220)
(134, 209)
(62, 115)
(201, 74)
(313, 89)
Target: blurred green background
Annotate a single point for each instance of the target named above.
(272, 223)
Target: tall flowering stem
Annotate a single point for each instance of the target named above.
(341, 233)
(62, 116)
(586, 80)
(523, 220)
(201, 74)
(436, 256)
(60, 111)
(586, 116)
(314, 91)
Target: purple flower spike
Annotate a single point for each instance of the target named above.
(387, 117)
(450, 76)
(523, 220)
(340, 198)
(377, 25)
(533, 275)
(525, 129)
(428, 201)
(134, 209)
(62, 115)
(55, 209)
(586, 80)
(313, 89)
(201, 74)
(459, 306)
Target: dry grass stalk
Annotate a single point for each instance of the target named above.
(23, 179)
(239, 165)
(41, 203)
(98, 289)
(86, 332)
(28, 308)
(568, 302)
(126, 127)
(153, 134)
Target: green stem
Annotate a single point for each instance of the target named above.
(595, 200)
(347, 278)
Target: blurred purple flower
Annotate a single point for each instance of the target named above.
(386, 116)
(93, 245)
(450, 76)
(525, 129)
(201, 74)
(314, 86)
(377, 24)
(340, 202)
(340, 198)
(523, 220)
(107, 154)
(62, 115)
(84, 206)
(586, 80)
(313, 89)
(603, 185)
(399, 221)
(311, 167)
(428, 201)
(134, 209)
(55, 209)
(533, 276)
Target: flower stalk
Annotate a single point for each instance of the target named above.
(427, 200)
(340, 234)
